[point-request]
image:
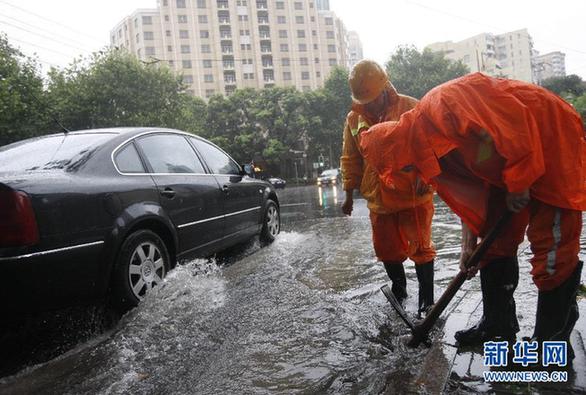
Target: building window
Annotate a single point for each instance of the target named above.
(331, 48)
(207, 63)
(202, 18)
(171, 63)
(183, 33)
(314, 46)
(298, 5)
(316, 60)
(149, 51)
(281, 20)
(201, 3)
(180, 3)
(205, 48)
(284, 47)
(312, 19)
(243, 18)
(280, 5)
(188, 79)
(204, 34)
(287, 76)
(165, 3)
(182, 18)
(314, 33)
(299, 19)
(208, 78)
(303, 61)
(300, 33)
(285, 61)
(302, 47)
(282, 33)
(330, 34)
(185, 49)
(305, 75)
(329, 21)
(147, 20)
(186, 64)
(166, 18)
(333, 62)
(137, 37)
(318, 74)
(245, 47)
(168, 33)
(169, 48)
(210, 93)
(149, 36)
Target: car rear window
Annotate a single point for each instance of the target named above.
(66, 152)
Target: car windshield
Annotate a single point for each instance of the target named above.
(64, 152)
(329, 173)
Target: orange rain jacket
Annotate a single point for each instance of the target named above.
(538, 138)
(357, 174)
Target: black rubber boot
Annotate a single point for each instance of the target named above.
(396, 273)
(557, 312)
(425, 278)
(498, 281)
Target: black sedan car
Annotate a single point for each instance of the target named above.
(277, 182)
(106, 213)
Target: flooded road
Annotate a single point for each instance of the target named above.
(303, 315)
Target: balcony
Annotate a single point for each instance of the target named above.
(264, 20)
(265, 49)
(224, 21)
(227, 50)
(225, 35)
(262, 5)
(228, 65)
(223, 5)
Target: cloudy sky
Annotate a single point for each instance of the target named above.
(60, 30)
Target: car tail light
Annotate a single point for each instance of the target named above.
(18, 225)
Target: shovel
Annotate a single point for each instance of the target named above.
(420, 331)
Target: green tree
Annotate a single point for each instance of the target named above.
(114, 88)
(568, 87)
(414, 73)
(23, 105)
(579, 104)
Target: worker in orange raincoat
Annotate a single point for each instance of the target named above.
(476, 134)
(401, 224)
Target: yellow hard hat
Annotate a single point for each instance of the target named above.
(367, 81)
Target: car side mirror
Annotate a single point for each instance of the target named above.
(248, 170)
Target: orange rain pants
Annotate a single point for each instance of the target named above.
(404, 234)
(554, 234)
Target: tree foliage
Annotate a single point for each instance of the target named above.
(115, 89)
(277, 126)
(23, 108)
(415, 73)
(569, 86)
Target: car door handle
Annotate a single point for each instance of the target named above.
(168, 193)
(225, 188)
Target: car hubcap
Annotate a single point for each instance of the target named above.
(273, 221)
(146, 269)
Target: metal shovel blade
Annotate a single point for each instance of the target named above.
(397, 306)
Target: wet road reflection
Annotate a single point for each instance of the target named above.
(303, 315)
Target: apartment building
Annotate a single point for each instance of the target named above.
(504, 55)
(552, 64)
(221, 45)
(355, 52)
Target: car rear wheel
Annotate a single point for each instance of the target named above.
(271, 225)
(142, 264)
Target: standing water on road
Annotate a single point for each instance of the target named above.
(304, 314)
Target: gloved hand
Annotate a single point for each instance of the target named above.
(517, 201)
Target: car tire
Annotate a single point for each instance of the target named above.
(271, 223)
(142, 263)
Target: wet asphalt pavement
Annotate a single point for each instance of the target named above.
(303, 315)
